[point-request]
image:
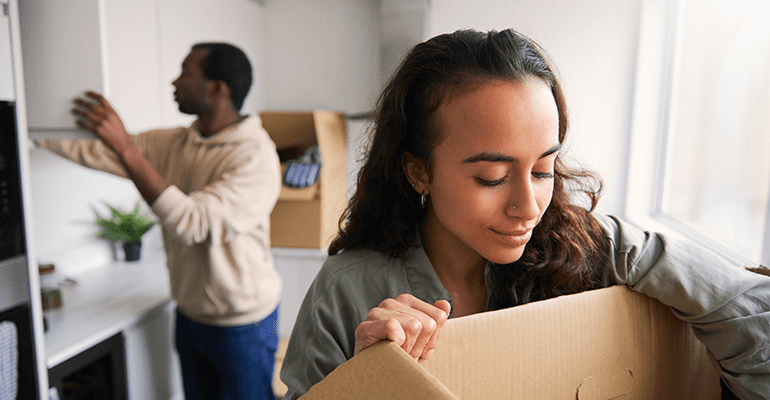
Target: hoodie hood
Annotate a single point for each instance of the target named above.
(247, 129)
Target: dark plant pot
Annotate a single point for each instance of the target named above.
(133, 250)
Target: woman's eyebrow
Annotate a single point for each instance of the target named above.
(552, 150)
(499, 157)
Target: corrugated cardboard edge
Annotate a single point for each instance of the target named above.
(382, 371)
(548, 349)
(602, 344)
(332, 131)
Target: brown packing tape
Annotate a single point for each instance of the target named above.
(380, 372)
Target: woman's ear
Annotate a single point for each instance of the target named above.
(416, 172)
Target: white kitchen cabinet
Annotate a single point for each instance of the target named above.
(6, 60)
(152, 364)
(107, 46)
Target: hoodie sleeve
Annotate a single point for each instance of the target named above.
(92, 154)
(727, 306)
(96, 155)
(241, 198)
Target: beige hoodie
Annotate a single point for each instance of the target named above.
(215, 216)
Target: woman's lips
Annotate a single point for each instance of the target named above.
(516, 238)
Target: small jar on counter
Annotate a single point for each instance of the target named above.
(49, 287)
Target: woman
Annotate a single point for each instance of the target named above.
(464, 205)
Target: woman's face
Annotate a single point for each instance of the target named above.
(493, 170)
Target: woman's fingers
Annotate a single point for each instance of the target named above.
(406, 320)
(372, 331)
(440, 318)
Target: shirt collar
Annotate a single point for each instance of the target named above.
(424, 280)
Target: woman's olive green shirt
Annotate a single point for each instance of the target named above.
(727, 306)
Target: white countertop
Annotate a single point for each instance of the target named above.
(106, 300)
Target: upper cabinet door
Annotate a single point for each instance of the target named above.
(6, 60)
(106, 46)
(62, 55)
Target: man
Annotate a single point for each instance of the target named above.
(212, 186)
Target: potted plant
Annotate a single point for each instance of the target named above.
(127, 228)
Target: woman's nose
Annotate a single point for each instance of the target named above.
(522, 202)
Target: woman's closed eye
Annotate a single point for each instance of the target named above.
(498, 182)
(543, 175)
(491, 183)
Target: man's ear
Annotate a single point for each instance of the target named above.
(416, 172)
(219, 90)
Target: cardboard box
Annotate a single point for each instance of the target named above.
(603, 344)
(308, 218)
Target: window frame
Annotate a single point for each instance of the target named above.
(660, 35)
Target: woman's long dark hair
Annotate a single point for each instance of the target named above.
(568, 246)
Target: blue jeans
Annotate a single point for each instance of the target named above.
(227, 362)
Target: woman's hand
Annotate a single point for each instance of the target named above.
(406, 320)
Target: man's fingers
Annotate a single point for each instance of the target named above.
(87, 109)
(85, 126)
(99, 99)
(96, 96)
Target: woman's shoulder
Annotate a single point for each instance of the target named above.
(619, 230)
(358, 262)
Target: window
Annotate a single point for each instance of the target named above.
(700, 151)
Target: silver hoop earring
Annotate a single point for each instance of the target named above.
(422, 200)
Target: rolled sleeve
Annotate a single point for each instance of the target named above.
(727, 306)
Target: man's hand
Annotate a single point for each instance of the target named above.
(406, 320)
(99, 118)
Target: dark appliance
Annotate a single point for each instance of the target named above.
(98, 373)
(17, 341)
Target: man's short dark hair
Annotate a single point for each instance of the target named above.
(229, 64)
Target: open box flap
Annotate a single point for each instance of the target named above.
(602, 344)
(380, 372)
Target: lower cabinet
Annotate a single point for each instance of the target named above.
(151, 361)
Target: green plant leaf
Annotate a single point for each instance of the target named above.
(126, 227)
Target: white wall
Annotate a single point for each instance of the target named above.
(593, 44)
(320, 54)
(186, 22)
